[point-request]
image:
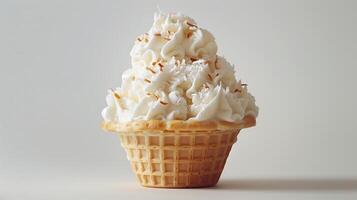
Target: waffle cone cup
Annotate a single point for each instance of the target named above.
(178, 154)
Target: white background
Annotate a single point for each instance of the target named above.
(57, 59)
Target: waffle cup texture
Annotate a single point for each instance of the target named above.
(178, 154)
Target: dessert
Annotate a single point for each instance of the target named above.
(180, 107)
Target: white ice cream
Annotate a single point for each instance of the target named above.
(176, 75)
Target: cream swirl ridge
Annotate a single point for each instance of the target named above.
(173, 35)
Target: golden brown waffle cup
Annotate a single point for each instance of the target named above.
(178, 154)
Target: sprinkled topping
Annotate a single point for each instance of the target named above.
(158, 63)
(151, 70)
(169, 33)
(116, 95)
(143, 37)
(147, 80)
(163, 103)
(151, 94)
(189, 34)
(237, 90)
(193, 59)
(161, 66)
(190, 24)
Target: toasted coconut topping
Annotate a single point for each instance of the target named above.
(244, 84)
(167, 38)
(237, 90)
(116, 95)
(133, 78)
(157, 34)
(189, 34)
(170, 32)
(217, 74)
(147, 80)
(190, 24)
(193, 59)
(163, 103)
(151, 94)
(138, 39)
(151, 70)
(210, 77)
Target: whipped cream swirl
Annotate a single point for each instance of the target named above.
(176, 75)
